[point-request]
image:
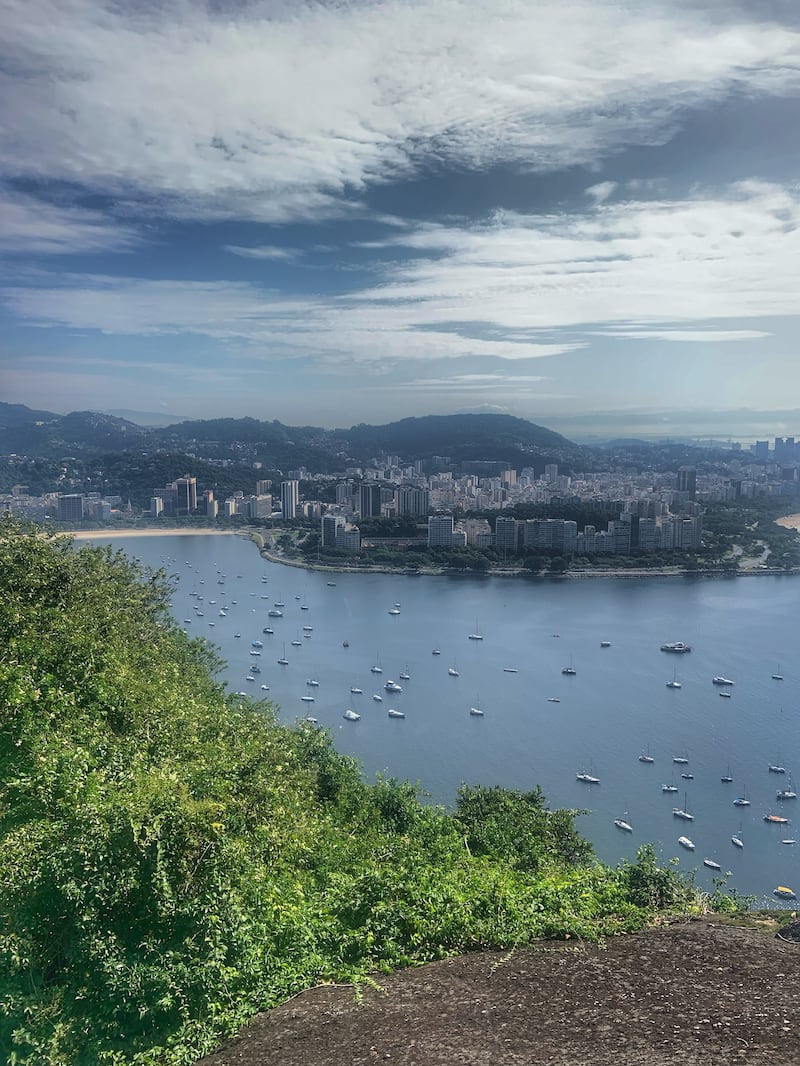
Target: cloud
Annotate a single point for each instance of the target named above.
(274, 111)
(601, 192)
(33, 227)
(704, 336)
(263, 251)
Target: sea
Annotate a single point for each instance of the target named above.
(538, 726)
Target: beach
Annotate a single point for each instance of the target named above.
(789, 521)
(113, 534)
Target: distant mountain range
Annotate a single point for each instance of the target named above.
(465, 437)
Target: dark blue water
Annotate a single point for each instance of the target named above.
(615, 707)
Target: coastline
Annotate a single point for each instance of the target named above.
(630, 574)
(789, 521)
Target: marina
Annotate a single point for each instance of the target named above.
(540, 727)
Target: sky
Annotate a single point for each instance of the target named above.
(584, 213)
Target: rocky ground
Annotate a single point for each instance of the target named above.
(681, 994)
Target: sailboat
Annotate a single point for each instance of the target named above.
(726, 778)
(674, 683)
(477, 635)
(404, 675)
(742, 801)
(683, 812)
(377, 668)
(569, 671)
(646, 756)
(736, 839)
(778, 676)
(452, 670)
(283, 661)
(620, 823)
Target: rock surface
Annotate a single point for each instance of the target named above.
(682, 994)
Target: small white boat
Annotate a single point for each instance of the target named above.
(646, 757)
(296, 643)
(307, 629)
(275, 614)
(249, 678)
(394, 610)
(394, 713)
(679, 812)
(725, 695)
(685, 842)
(788, 841)
(351, 716)
(436, 651)
(587, 779)
(283, 662)
(721, 681)
(270, 632)
(254, 651)
(356, 691)
(307, 699)
(570, 670)
(786, 794)
(711, 864)
(377, 697)
(476, 636)
(331, 584)
(376, 669)
(265, 688)
(674, 683)
(452, 671)
(669, 788)
(312, 682)
(476, 712)
(553, 699)
(737, 842)
(392, 686)
(680, 760)
(605, 643)
(626, 827)
(510, 670)
(405, 675)
(773, 769)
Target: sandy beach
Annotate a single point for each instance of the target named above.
(113, 534)
(789, 521)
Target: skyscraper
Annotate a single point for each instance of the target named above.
(186, 495)
(369, 501)
(290, 498)
(687, 481)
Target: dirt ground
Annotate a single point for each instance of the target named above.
(687, 993)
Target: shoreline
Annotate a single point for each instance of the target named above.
(789, 521)
(257, 537)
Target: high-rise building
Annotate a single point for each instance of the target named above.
(505, 535)
(156, 506)
(329, 528)
(440, 531)
(290, 498)
(186, 495)
(369, 501)
(70, 507)
(411, 501)
(687, 481)
(263, 487)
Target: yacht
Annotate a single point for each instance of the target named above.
(626, 827)
(265, 688)
(688, 777)
(311, 719)
(274, 613)
(257, 643)
(711, 864)
(331, 584)
(685, 842)
(394, 610)
(377, 697)
(680, 760)
(253, 651)
(436, 652)
(773, 769)
(737, 842)
(677, 646)
(405, 675)
(721, 681)
(725, 695)
(786, 794)
(351, 716)
(392, 686)
(283, 661)
(674, 683)
(669, 788)
(727, 777)
(775, 819)
(296, 643)
(605, 643)
(679, 812)
(741, 801)
(394, 713)
(312, 682)
(356, 691)
(303, 606)
(476, 636)
(377, 668)
(553, 699)
(279, 603)
(307, 629)
(452, 671)
(510, 670)
(646, 757)
(782, 892)
(587, 779)
(307, 699)
(570, 670)
(476, 712)
(268, 630)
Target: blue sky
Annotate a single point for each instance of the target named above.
(583, 213)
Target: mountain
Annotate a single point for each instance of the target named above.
(13, 415)
(80, 433)
(146, 418)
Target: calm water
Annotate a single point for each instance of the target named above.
(615, 707)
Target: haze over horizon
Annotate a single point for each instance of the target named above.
(585, 215)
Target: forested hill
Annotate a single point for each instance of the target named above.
(83, 434)
(172, 860)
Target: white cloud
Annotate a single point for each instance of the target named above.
(30, 226)
(263, 251)
(705, 336)
(277, 112)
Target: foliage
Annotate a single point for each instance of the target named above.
(172, 860)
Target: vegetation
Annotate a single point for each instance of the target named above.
(173, 860)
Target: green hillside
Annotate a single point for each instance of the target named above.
(172, 860)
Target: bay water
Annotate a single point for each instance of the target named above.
(538, 726)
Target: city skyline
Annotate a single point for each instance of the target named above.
(329, 214)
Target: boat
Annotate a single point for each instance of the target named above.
(587, 779)
(265, 688)
(452, 671)
(257, 643)
(270, 632)
(405, 675)
(392, 686)
(377, 668)
(688, 777)
(685, 842)
(683, 812)
(312, 682)
(775, 819)
(345, 643)
(570, 670)
(669, 788)
(377, 697)
(436, 652)
(351, 716)
(727, 777)
(331, 584)
(393, 712)
(678, 647)
(510, 670)
(274, 613)
(249, 678)
(788, 841)
(725, 695)
(553, 699)
(477, 635)
(680, 760)
(253, 651)
(307, 629)
(394, 610)
(357, 691)
(605, 643)
(782, 892)
(626, 827)
(711, 864)
(307, 699)
(646, 757)
(476, 712)
(283, 661)
(774, 769)
(255, 669)
(778, 676)
(297, 643)
(303, 606)
(721, 681)
(674, 683)
(786, 794)
(741, 801)
(737, 841)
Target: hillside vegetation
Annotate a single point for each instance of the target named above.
(172, 860)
